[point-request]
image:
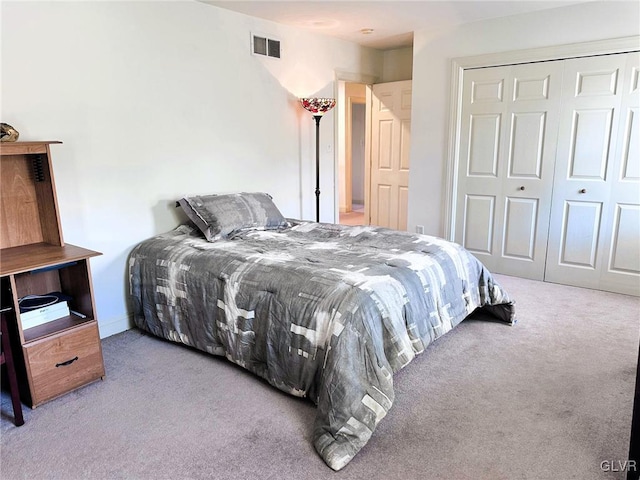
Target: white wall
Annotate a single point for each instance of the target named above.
(432, 54)
(155, 100)
(398, 64)
(358, 153)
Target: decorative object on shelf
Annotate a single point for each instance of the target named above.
(8, 133)
(318, 107)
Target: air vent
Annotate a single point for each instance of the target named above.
(268, 47)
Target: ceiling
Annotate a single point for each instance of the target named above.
(393, 22)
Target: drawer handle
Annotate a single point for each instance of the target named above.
(68, 362)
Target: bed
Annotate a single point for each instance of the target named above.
(322, 311)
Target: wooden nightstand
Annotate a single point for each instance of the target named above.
(60, 355)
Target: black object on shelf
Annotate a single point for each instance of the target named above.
(33, 302)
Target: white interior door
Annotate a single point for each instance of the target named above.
(595, 218)
(505, 176)
(390, 138)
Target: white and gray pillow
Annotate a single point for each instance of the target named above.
(220, 216)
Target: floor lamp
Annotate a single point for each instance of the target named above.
(318, 107)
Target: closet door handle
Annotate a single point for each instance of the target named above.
(582, 190)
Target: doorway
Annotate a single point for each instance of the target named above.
(352, 170)
(374, 125)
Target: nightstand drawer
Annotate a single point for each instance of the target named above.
(64, 363)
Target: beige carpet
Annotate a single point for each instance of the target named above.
(550, 398)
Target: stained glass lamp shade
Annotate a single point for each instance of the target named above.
(318, 107)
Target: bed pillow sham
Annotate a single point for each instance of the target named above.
(219, 216)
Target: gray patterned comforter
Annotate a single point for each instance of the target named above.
(322, 311)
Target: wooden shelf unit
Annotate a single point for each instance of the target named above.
(58, 356)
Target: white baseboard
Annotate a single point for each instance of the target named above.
(115, 325)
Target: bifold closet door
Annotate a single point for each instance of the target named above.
(594, 237)
(509, 127)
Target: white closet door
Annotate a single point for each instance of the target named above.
(595, 224)
(621, 270)
(507, 153)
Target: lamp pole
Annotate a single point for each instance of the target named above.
(318, 107)
(317, 119)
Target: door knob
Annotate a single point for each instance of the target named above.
(583, 190)
(521, 188)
